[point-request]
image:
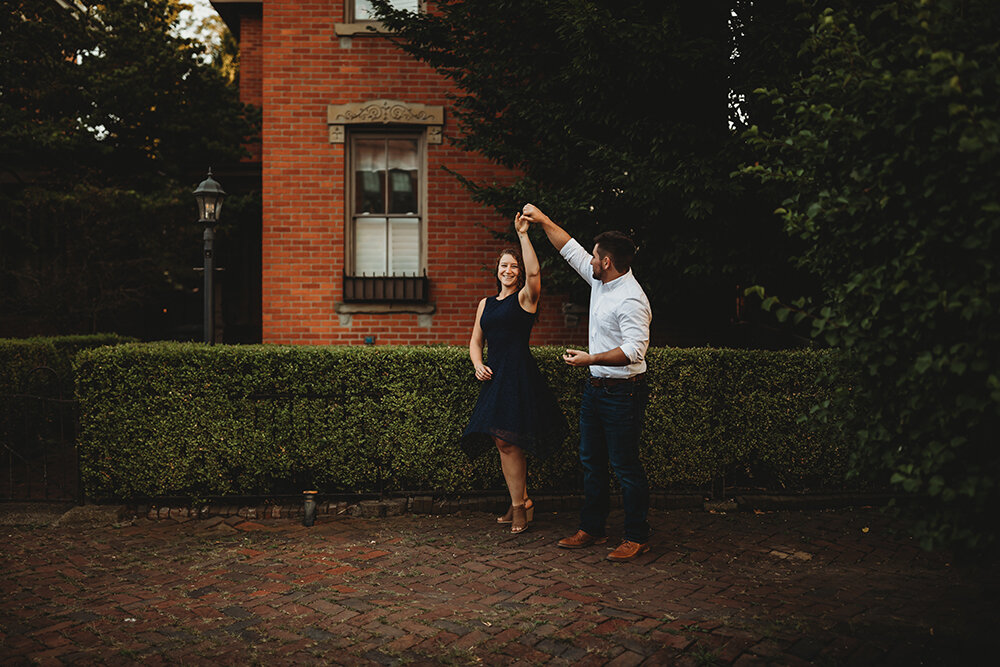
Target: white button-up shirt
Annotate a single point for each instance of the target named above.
(619, 315)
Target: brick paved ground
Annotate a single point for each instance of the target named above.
(783, 588)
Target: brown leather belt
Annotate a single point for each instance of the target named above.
(614, 382)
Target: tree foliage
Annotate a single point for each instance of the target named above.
(613, 114)
(875, 127)
(107, 119)
(888, 152)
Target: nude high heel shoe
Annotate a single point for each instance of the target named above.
(519, 520)
(509, 516)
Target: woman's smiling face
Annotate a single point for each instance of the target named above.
(508, 270)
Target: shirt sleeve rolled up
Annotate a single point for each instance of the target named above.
(634, 317)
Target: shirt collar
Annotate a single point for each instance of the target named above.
(620, 280)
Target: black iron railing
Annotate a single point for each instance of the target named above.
(398, 289)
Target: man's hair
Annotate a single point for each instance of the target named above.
(617, 246)
(516, 254)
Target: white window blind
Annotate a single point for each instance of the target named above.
(404, 242)
(370, 247)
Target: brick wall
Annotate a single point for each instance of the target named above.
(252, 68)
(303, 68)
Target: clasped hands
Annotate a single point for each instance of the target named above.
(527, 215)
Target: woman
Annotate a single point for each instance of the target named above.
(516, 411)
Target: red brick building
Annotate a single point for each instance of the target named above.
(365, 236)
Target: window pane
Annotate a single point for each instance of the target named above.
(402, 162)
(363, 8)
(369, 176)
(402, 154)
(370, 246)
(404, 243)
(403, 192)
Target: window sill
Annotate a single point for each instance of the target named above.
(360, 29)
(385, 308)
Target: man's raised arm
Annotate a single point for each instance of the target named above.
(557, 235)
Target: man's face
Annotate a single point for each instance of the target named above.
(599, 264)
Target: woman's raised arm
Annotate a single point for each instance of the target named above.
(532, 290)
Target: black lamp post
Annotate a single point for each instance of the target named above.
(209, 196)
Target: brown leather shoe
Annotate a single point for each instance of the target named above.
(628, 550)
(580, 540)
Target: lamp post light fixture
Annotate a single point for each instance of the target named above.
(209, 195)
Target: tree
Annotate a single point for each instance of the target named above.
(888, 152)
(222, 51)
(107, 119)
(570, 95)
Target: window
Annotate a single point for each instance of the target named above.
(359, 18)
(361, 10)
(385, 202)
(385, 196)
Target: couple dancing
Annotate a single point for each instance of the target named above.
(518, 413)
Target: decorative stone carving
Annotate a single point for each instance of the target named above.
(384, 112)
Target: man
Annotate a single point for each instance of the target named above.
(615, 394)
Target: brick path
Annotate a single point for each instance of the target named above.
(784, 588)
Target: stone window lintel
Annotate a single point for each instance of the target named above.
(385, 112)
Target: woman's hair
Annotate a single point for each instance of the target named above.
(516, 254)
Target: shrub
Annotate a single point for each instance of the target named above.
(888, 151)
(20, 359)
(184, 419)
(20, 356)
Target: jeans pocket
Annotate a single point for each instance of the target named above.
(624, 390)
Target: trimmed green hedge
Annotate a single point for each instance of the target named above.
(19, 360)
(184, 419)
(20, 356)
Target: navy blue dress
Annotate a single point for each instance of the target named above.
(515, 405)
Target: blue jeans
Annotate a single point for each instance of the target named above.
(610, 425)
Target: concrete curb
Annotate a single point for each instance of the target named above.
(94, 515)
(62, 514)
(812, 502)
(428, 504)
(32, 514)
